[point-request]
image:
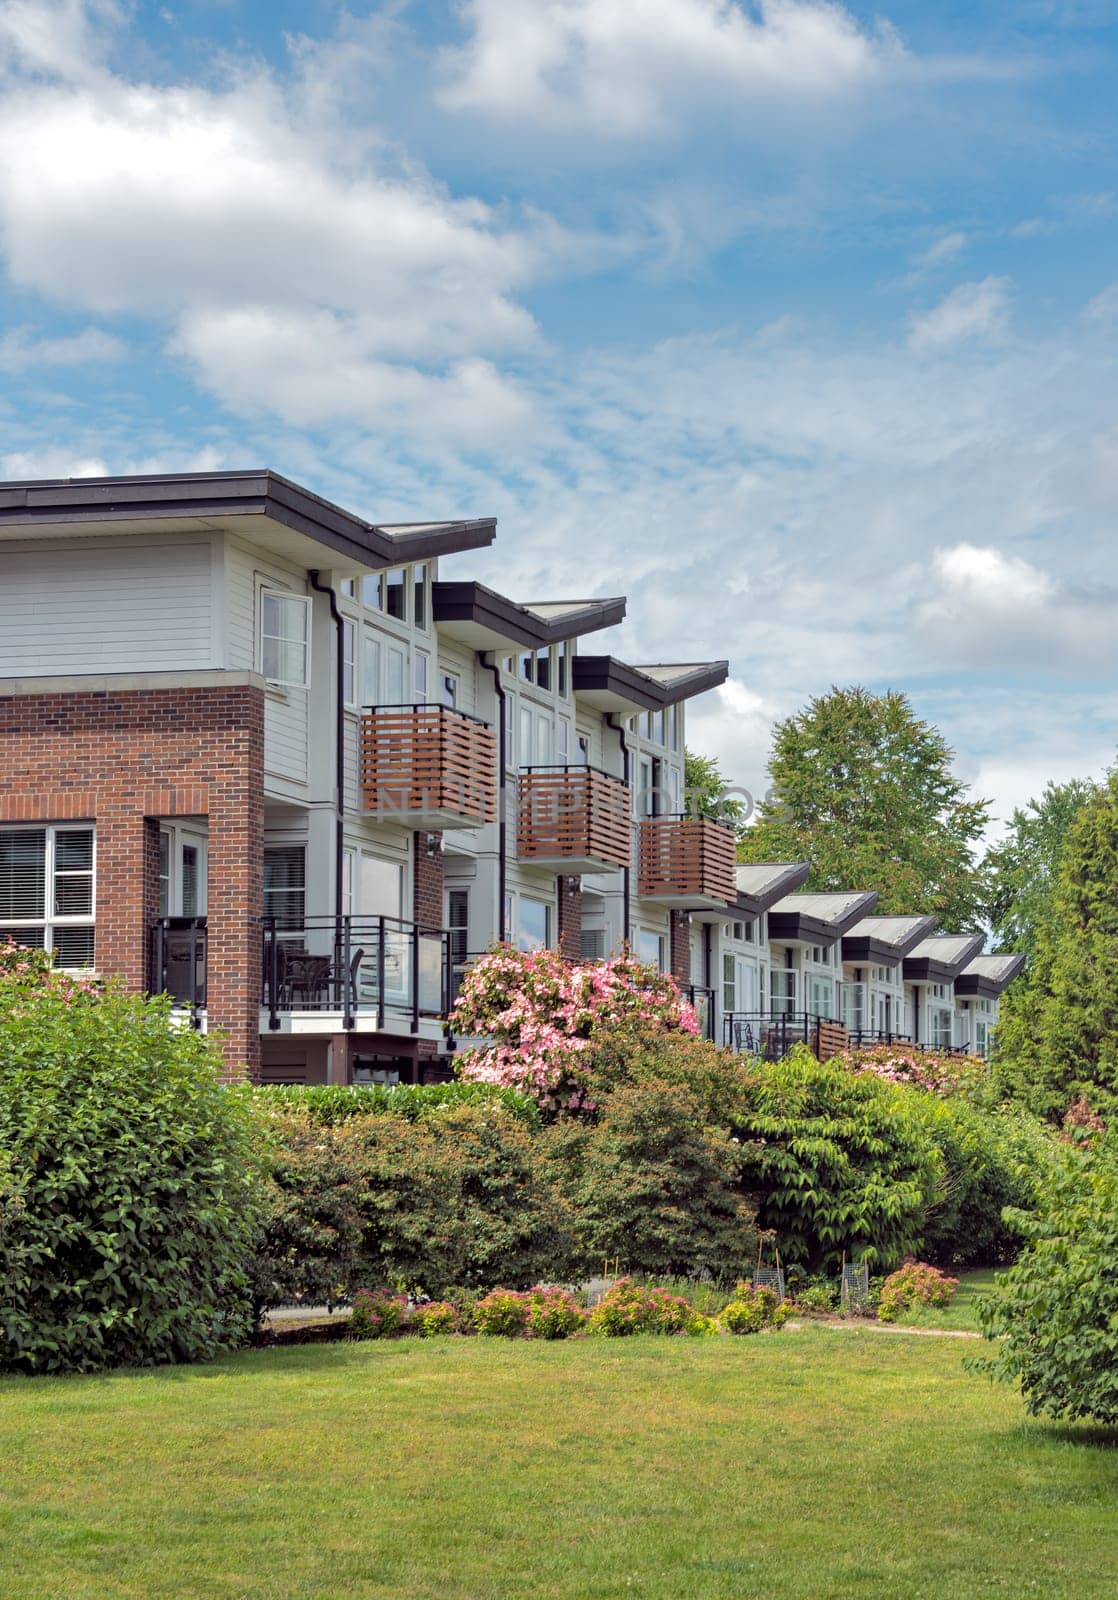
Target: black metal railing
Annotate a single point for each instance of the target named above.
(356, 966)
(177, 958)
(703, 1002)
(770, 1035)
(870, 1036)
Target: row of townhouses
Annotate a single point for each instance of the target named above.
(255, 752)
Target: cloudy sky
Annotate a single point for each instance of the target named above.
(794, 321)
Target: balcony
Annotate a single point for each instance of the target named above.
(428, 766)
(375, 974)
(687, 863)
(178, 963)
(573, 819)
(770, 1035)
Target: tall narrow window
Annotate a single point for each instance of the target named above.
(562, 662)
(285, 885)
(533, 931)
(419, 596)
(422, 663)
(284, 621)
(396, 594)
(349, 663)
(370, 670)
(372, 591)
(458, 926)
(164, 873)
(395, 665)
(47, 891)
(525, 736)
(448, 689)
(729, 984)
(543, 668)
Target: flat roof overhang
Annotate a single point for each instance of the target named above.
(862, 950)
(485, 620)
(793, 926)
(259, 504)
(983, 985)
(611, 685)
(932, 969)
(748, 906)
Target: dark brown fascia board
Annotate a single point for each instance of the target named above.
(871, 951)
(794, 875)
(469, 601)
(926, 969)
(608, 675)
(703, 675)
(221, 494)
(788, 926)
(979, 986)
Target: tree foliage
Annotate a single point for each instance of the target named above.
(1022, 870)
(1055, 1312)
(1057, 1037)
(708, 792)
(864, 790)
(128, 1188)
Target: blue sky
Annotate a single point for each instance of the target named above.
(795, 322)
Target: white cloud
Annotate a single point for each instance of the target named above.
(248, 226)
(57, 38)
(29, 465)
(630, 68)
(940, 253)
(990, 608)
(971, 311)
(1104, 306)
(24, 351)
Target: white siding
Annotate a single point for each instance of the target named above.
(106, 608)
(460, 660)
(285, 734)
(286, 711)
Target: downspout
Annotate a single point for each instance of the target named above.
(626, 872)
(502, 778)
(339, 743)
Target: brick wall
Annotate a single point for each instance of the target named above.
(428, 880)
(681, 947)
(122, 760)
(570, 917)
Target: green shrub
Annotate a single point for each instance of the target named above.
(377, 1314)
(650, 1184)
(629, 1308)
(308, 1249)
(914, 1284)
(993, 1158)
(819, 1298)
(754, 1309)
(128, 1190)
(837, 1162)
(503, 1314)
(330, 1104)
(1055, 1310)
(432, 1318)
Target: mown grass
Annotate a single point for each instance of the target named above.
(794, 1466)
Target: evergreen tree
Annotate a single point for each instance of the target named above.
(1058, 1033)
(708, 792)
(1022, 870)
(865, 791)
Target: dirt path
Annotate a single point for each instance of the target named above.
(864, 1325)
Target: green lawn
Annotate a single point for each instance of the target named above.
(808, 1464)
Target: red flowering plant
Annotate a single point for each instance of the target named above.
(27, 973)
(541, 1013)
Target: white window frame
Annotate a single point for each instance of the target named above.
(349, 662)
(49, 921)
(269, 592)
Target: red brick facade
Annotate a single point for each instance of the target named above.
(124, 759)
(428, 880)
(681, 947)
(569, 891)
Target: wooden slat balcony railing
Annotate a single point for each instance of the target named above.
(573, 819)
(687, 862)
(428, 766)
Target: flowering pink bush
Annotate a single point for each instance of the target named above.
(541, 1013)
(914, 1284)
(629, 1308)
(26, 973)
(919, 1069)
(539, 1313)
(377, 1314)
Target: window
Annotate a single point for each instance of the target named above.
(421, 666)
(349, 663)
(543, 740)
(370, 670)
(783, 989)
(381, 888)
(46, 891)
(419, 595)
(372, 591)
(854, 1006)
(347, 882)
(660, 726)
(348, 588)
(285, 885)
(395, 664)
(940, 1026)
(561, 662)
(645, 787)
(396, 594)
(543, 669)
(448, 690)
(508, 916)
(675, 718)
(164, 873)
(283, 638)
(729, 983)
(821, 998)
(533, 930)
(583, 750)
(458, 925)
(191, 879)
(749, 936)
(525, 666)
(650, 948)
(562, 741)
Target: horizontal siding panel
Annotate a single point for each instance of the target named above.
(285, 735)
(139, 608)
